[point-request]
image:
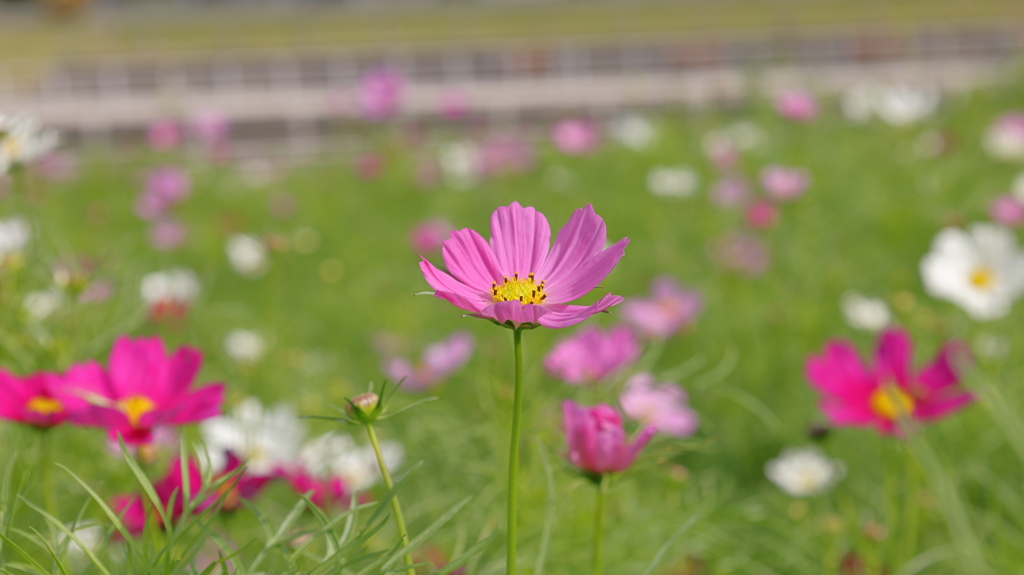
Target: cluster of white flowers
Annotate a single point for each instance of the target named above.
(244, 346)
(247, 255)
(804, 471)
(337, 455)
(23, 140)
(894, 104)
(177, 285)
(866, 313)
(633, 131)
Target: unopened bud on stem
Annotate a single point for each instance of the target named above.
(365, 408)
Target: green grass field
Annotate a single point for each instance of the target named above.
(869, 216)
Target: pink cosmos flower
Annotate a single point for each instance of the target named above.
(783, 184)
(37, 400)
(669, 309)
(368, 166)
(1007, 210)
(592, 355)
(428, 235)
(164, 188)
(327, 492)
(762, 215)
(730, 191)
(1004, 139)
(454, 105)
(741, 252)
(575, 136)
(58, 166)
(796, 105)
(168, 234)
(879, 394)
(439, 360)
(142, 388)
(212, 128)
(663, 406)
(164, 135)
(597, 441)
(379, 93)
(519, 278)
(505, 153)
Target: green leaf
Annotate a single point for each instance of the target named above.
(60, 526)
(668, 544)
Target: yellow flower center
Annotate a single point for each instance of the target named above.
(44, 405)
(891, 402)
(11, 146)
(524, 290)
(135, 407)
(983, 278)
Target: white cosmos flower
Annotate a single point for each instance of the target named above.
(633, 131)
(1004, 139)
(337, 455)
(23, 139)
(804, 471)
(265, 438)
(980, 270)
(244, 346)
(15, 234)
(92, 536)
(460, 162)
(867, 313)
(178, 285)
(247, 254)
(672, 181)
(902, 105)
(41, 304)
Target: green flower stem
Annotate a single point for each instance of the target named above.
(602, 490)
(396, 508)
(513, 453)
(45, 473)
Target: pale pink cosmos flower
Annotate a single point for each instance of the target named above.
(662, 405)
(212, 128)
(592, 355)
(505, 153)
(454, 104)
(597, 442)
(762, 215)
(143, 387)
(164, 135)
(741, 252)
(1004, 140)
(164, 188)
(168, 234)
(575, 136)
(669, 309)
(1007, 210)
(888, 389)
(730, 191)
(782, 183)
(796, 105)
(428, 235)
(58, 166)
(379, 93)
(519, 278)
(439, 361)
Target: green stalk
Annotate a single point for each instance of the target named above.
(45, 475)
(396, 508)
(513, 453)
(602, 489)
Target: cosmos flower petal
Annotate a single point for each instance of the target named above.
(134, 361)
(941, 372)
(471, 260)
(893, 356)
(515, 312)
(839, 371)
(588, 275)
(940, 407)
(200, 404)
(559, 316)
(582, 238)
(183, 368)
(472, 299)
(520, 238)
(639, 443)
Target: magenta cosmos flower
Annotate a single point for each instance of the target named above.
(592, 355)
(519, 278)
(440, 359)
(575, 136)
(796, 105)
(597, 441)
(143, 388)
(36, 399)
(380, 93)
(662, 405)
(878, 395)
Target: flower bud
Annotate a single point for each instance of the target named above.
(365, 408)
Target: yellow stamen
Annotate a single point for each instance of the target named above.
(983, 278)
(44, 405)
(524, 290)
(135, 407)
(891, 402)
